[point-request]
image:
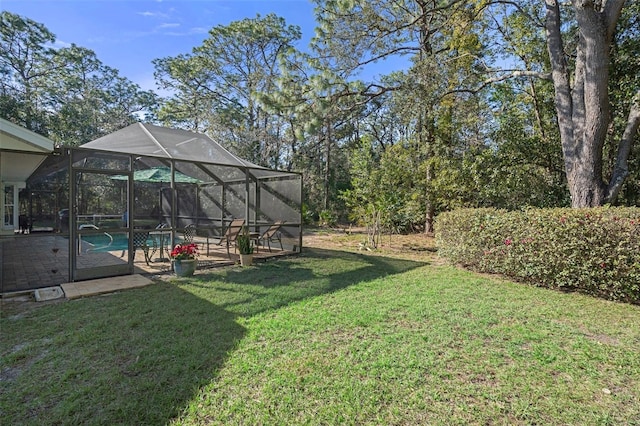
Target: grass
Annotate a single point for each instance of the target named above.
(323, 338)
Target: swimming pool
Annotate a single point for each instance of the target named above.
(100, 243)
(105, 242)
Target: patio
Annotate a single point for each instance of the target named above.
(19, 271)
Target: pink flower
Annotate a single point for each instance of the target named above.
(507, 242)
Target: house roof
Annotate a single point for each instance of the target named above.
(17, 138)
(25, 150)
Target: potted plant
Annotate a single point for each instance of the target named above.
(184, 259)
(243, 242)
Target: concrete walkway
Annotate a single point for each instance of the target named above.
(103, 285)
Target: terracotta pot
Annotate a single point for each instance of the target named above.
(246, 259)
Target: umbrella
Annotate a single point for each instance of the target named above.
(159, 175)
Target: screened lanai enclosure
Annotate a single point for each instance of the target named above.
(117, 205)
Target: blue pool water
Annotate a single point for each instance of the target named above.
(113, 242)
(102, 242)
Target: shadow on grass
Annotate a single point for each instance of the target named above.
(277, 283)
(140, 356)
(131, 358)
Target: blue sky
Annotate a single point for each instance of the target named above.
(129, 34)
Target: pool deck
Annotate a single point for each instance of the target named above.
(32, 262)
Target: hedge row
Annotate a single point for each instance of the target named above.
(594, 251)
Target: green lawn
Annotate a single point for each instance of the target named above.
(328, 337)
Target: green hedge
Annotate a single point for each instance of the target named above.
(594, 251)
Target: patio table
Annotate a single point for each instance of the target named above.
(254, 237)
(161, 235)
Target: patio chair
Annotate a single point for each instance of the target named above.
(272, 234)
(229, 236)
(25, 224)
(141, 242)
(189, 233)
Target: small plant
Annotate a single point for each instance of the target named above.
(307, 215)
(244, 242)
(184, 252)
(327, 218)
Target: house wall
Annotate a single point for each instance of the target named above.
(15, 168)
(9, 210)
(9, 205)
(21, 152)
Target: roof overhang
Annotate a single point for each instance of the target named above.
(21, 151)
(17, 138)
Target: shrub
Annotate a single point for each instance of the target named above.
(327, 218)
(594, 251)
(307, 215)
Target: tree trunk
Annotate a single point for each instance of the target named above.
(430, 213)
(327, 166)
(583, 109)
(621, 169)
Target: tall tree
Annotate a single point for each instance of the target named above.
(91, 99)
(582, 98)
(218, 85)
(66, 94)
(362, 32)
(25, 58)
(194, 100)
(444, 44)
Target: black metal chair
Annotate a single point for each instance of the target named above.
(24, 222)
(189, 233)
(141, 242)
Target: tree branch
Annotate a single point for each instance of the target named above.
(509, 74)
(621, 169)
